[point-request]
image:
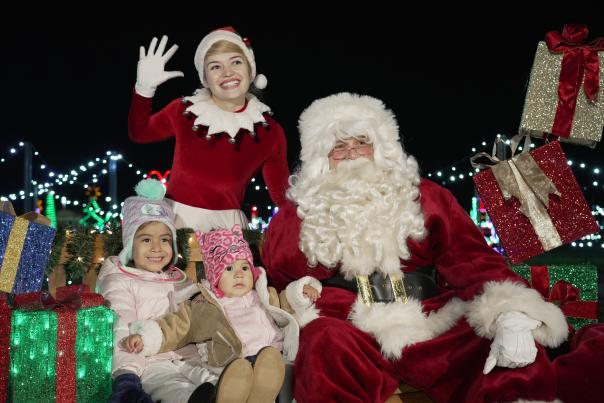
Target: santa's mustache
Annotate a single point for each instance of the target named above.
(361, 169)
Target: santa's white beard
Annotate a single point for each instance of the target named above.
(360, 217)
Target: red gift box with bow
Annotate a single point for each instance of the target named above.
(60, 349)
(534, 201)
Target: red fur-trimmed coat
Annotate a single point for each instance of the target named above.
(438, 345)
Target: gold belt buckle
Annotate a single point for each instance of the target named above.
(398, 288)
(396, 281)
(365, 290)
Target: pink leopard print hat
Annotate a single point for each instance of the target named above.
(221, 248)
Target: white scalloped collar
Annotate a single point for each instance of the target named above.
(218, 120)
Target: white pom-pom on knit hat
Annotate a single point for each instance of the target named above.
(230, 35)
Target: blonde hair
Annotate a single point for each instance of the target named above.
(223, 46)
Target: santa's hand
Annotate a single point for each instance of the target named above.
(151, 67)
(514, 344)
(301, 296)
(310, 292)
(302, 293)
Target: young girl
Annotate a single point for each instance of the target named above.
(232, 317)
(224, 135)
(140, 285)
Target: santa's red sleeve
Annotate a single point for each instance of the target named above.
(478, 274)
(281, 256)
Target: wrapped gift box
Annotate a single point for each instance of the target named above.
(535, 202)
(566, 88)
(572, 287)
(60, 351)
(25, 244)
(5, 315)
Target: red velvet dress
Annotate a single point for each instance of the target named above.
(212, 174)
(337, 362)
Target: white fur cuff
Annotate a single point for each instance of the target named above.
(397, 325)
(304, 309)
(504, 296)
(152, 335)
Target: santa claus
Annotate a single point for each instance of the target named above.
(361, 221)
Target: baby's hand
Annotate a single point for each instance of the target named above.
(310, 292)
(134, 343)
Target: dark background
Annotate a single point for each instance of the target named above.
(453, 81)
(455, 75)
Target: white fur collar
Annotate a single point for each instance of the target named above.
(217, 120)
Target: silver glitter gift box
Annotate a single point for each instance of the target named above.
(543, 107)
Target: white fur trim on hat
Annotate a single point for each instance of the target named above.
(230, 35)
(504, 296)
(347, 115)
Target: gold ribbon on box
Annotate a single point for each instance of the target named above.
(14, 245)
(521, 177)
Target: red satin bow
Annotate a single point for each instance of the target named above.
(580, 60)
(563, 294)
(72, 297)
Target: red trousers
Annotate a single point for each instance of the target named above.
(337, 362)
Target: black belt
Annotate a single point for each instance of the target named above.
(381, 288)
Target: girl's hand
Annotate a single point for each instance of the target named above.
(134, 343)
(310, 292)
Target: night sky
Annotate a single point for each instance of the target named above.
(452, 84)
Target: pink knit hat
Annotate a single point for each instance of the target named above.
(221, 248)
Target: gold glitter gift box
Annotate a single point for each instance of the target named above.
(535, 202)
(566, 88)
(25, 244)
(574, 288)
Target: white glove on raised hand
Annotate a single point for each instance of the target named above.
(514, 344)
(150, 71)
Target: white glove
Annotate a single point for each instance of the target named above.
(514, 344)
(150, 71)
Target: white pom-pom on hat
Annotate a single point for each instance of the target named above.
(260, 82)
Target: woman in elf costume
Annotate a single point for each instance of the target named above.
(224, 134)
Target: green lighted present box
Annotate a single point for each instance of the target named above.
(60, 350)
(572, 287)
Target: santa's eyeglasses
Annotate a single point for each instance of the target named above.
(343, 151)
